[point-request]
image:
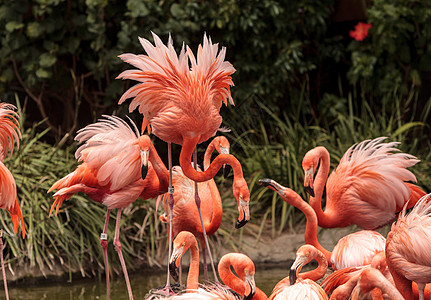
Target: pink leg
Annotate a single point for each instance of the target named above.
(198, 204)
(104, 243)
(2, 265)
(204, 256)
(117, 245)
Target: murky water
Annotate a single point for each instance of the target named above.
(90, 288)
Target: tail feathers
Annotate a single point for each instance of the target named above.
(415, 194)
(57, 203)
(58, 184)
(339, 277)
(16, 215)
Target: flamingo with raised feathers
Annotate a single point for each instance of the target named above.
(115, 159)
(355, 249)
(408, 248)
(368, 187)
(9, 134)
(185, 212)
(302, 285)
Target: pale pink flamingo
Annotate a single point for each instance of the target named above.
(355, 249)
(115, 159)
(9, 134)
(185, 213)
(303, 285)
(368, 188)
(245, 270)
(182, 105)
(408, 247)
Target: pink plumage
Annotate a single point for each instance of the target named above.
(179, 100)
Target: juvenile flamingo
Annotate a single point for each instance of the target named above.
(408, 248)
(302, 286)
(244, 268)
(185, 213)
(115, 159)
(368, 187)
(184, 241)
(355, 249)
(9, 134)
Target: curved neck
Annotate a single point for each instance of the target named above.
(208, 152)
(189, 145)
(259, 295)
(228, 277)
(376, 279)
(404, 286)
(319, 185)
(193, 276)
(310, 234)
(160, 169)
(319, 272)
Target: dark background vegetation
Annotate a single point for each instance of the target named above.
(301, 81)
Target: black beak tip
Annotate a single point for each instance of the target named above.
(249, 296)
(265, 181)
(310, 191)
(240, 224)
(144, 171)
(292, 276)
(173, 270)
(226, 171)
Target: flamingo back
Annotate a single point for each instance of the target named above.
(175, 99)
(371, 181)
(305, 290)
(357, 249)
(213, 292)
(9, 129)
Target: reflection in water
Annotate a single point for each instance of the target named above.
(90, 288)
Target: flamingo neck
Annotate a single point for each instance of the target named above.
(384, 285)
(404, 286)
(189, 145)
(193, 276)
(310, 234)
(319, 272)
(319, 186)
(259, 295)
(207, 156)
(229, 278)
(160, 169)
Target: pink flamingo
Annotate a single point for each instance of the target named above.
(367, 188)
(185, 213)
(408, 249)
(355, 249)
(244, 268)
(182, 105)
(302, 286)
(115, 159)
(9, 134)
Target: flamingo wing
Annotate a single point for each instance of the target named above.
(9, 129)
(371, 181)
(169, 93)
(111, 151)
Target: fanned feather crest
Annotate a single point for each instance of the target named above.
(9, 129)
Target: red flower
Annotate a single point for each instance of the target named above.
(361, 31)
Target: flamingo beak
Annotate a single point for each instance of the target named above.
(273, 185)
(244, 213)
(174, 262)
(295, 268)
(309, 182)
(144, 160)
(226, 168)
(249, 279)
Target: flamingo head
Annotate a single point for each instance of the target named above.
(244, 268)
(309, 165)
(182, 243)
(144, 143)
(242, 196)
(303, 257)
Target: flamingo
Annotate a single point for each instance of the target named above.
(181, 105)
(355, 249)
(115, 159)
(244, 268)
(185, 213)
(367, 188)
(408, 248)
(302, 286)
(9, 134)
(184, 241)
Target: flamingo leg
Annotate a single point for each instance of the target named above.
(2, 265)
(204, 256)
(198, 204)
(104, 243)
(117, 245)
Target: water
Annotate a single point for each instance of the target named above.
(91, 288)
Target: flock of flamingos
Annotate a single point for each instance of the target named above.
(180, 96)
